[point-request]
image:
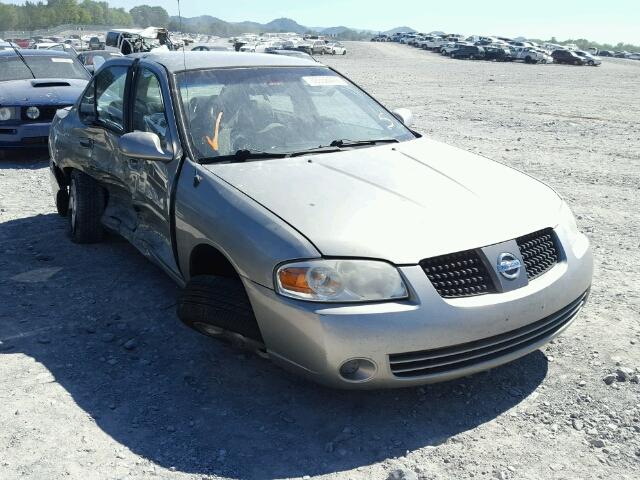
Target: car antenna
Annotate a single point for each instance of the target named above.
(22, 58)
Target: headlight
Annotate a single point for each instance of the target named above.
(33, 112)
(340, 281)
(5, 114)
(568, 222)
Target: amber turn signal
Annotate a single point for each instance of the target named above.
(295, 279)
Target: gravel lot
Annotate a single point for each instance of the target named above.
(100, 380)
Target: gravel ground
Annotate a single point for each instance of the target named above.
(100, 380)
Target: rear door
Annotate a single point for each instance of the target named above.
(151, 182)
(111, 91)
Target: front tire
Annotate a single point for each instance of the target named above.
(85, 208)
(219, 302)
(62, 201)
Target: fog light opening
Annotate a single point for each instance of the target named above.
(358, 370)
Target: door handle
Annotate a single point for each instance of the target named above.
(86, 143)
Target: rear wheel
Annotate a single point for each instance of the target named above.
(211, 302)
(85, 208)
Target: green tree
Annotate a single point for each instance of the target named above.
(8, 17)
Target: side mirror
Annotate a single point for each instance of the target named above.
(87, 112)
(143, 145)
(404, 115)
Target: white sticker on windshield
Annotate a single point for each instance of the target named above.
(61, 60)
(329, 81)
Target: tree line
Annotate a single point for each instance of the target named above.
(52, 13)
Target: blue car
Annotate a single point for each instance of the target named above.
(33, 85)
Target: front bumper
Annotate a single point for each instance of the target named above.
(316, 339)
(24, 135)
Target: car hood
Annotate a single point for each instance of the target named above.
(402, 202)
(43, 91)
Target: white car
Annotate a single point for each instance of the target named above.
(435, 43)
(588, 58)
(335, 49)
(531, 55)
(210, 47)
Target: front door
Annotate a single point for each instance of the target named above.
(151, 182)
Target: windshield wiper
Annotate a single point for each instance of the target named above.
(23, 60)
(356, 143)
(241, 156)
(315, 150)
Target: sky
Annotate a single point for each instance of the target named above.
(601, 21)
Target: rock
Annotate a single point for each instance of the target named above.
(582, 383)
(577, 424)
(623, 374)
(44, 339)
(597, 442)
(108, 337)
(112, 361)
(130, 344)
(402, 474)
(609, 379)
(635, 378)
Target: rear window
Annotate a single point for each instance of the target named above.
(13, 68)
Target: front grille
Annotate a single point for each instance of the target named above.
(539, 252)
(46, 113)
(459, 274)
(35, 141)
(441, 360)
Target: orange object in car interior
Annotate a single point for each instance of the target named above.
(213, 143)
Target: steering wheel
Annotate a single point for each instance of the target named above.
(271, 127)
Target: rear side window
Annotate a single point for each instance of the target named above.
(110, 85)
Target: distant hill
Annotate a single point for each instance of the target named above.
(285, 25)
(214, 26)
(399, 30)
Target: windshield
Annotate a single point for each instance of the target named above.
(279, 110)
(12, 68)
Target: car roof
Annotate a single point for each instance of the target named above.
(176, 61)
(35, 53)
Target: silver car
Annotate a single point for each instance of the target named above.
(306, 221)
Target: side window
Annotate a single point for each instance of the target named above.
(148, 109)
(110, 85)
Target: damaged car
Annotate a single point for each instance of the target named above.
(128, 41)
(303, 219)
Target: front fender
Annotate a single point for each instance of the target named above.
(212, 212)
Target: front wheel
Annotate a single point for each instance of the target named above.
(62, 201)
(214, 305)
(85, 208)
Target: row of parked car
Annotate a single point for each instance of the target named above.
(499, 49)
